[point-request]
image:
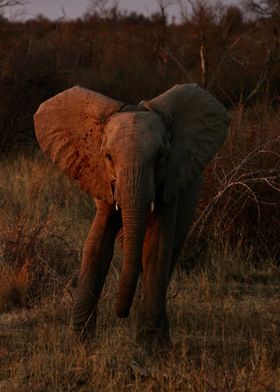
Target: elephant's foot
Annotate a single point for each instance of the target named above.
(153, 339)
(153, 335)
(84, 322)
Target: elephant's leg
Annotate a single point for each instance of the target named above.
(187, 203)
(97, 255)
(153, 325)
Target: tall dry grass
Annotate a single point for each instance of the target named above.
(241, 194)
(224, 313)
(43, 220)
(225, 332)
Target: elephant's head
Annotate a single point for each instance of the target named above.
(135, 149)
(122, 154)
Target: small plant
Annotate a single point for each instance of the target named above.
(37, 256)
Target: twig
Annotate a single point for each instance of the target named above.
(272, 59)
(226, 54)
(235, 178)
(176, 61)
(12, 3)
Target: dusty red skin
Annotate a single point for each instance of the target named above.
(133, 157)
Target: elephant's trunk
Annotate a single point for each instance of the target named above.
(134, 205)
(134, 231)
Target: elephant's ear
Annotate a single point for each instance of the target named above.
(69, 128)
(198, 126)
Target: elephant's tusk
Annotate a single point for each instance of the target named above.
(152, 205)
(117, 207)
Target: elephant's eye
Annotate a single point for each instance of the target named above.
(108, 157)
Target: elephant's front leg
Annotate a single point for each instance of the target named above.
(153, 324)
(97, 255)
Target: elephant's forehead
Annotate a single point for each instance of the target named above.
(135, 123)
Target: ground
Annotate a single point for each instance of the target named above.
(225, 337)
(224, 313)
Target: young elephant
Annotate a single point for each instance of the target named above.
(143, 166)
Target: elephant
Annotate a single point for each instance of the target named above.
(143, 166)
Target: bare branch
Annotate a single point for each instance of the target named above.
(226, 54)
(246, 182)
(12, 3)
(273, 58)
(102, 8)
(181, 67)
(263, 8)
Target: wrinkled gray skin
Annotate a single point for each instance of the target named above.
(153, 161)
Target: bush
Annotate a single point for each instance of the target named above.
(131, 59)
(241, 194)
(43, 221)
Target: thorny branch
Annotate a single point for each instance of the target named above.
(12, 3)
(273, 58)
(266, 8)
(237, 178)
(226, 54)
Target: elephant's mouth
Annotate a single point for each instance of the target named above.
(151, 208)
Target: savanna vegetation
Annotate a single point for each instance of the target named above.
(224, 297)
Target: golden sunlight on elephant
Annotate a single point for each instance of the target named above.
(143, 165)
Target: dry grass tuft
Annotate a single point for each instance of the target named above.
(225, 338)
(224, 312)
(39, 249)
(240, 204)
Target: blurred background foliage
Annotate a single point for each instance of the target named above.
(231, 50)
